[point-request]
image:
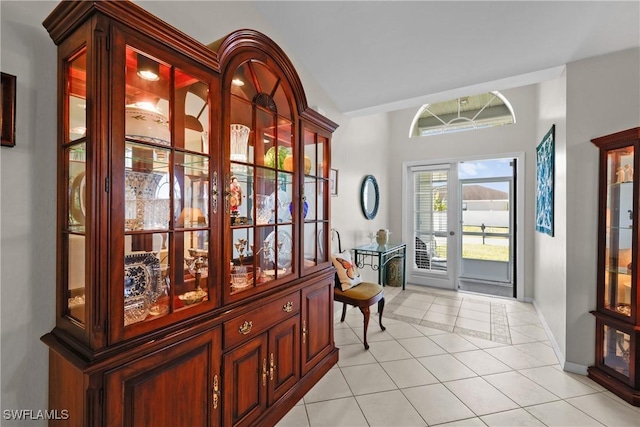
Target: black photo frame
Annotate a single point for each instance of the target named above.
(8, 116)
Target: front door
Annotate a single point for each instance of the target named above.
(431, 231)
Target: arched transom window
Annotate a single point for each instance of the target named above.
(464, 113)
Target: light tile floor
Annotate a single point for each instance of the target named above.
(453, 359)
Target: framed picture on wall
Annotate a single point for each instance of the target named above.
(333, 182)
(545, 167)
(8, 116)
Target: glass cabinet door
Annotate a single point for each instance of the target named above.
(78, 211)
(314, 208)
(619, 231)
(166, 189)
(260, 191)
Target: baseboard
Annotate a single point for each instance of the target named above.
(575, 368)
(556, 349)
(566, 366)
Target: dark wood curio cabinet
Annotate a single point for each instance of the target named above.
(192, 288)
(617, 361)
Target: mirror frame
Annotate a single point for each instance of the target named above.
(369, 212)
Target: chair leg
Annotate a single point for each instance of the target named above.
(344, 311)
(366, 312)
(380, 310)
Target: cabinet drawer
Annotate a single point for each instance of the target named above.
(260, 319)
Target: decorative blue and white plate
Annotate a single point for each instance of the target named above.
(141, 273)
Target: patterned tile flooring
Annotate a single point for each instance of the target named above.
(446, 360)
(465, 315)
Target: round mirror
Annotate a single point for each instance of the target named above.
(369, 197)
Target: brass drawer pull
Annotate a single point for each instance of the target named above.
(304, 332)
(272, 368)
(214, 192)
(245, 328)
(264, 372)
(216, 392)
(288, 307)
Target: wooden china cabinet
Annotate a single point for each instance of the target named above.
(617, 361)
(192, 288)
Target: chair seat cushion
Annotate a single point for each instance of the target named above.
(364, 291)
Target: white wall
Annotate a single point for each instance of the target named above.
(28, 182)
(603, 97)
(550, 252)
(361, 150)
(27, 230)
(519, 137)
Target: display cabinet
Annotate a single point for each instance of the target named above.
(192, 194)
(617, 361)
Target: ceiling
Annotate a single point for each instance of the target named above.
(375, 56)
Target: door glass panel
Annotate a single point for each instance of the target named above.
(263, 210)
(75, 241)
(76, 250)
(240, 135)
(280, 200)
(323, 188)
(279, 249)
(619, 232)
(192, 265)
(242, 84)
(192, 171)
(240, 204)
(282, 102)
(314, 211)
(322, 167)
(192, 113)
(310, 203)
(77, 191)
(311, 243)
(310, 156)
(430, 220)
(77, 95)
(167, 189)
(243, 260)
(147, 102)
(617, 350)
(146, 169)
(146, 281)
(263, 168)
(486, 231)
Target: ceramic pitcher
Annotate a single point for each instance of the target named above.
(382, 237)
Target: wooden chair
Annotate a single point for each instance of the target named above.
(362, 296)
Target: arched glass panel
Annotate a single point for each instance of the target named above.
(256, 83)
(461, 114)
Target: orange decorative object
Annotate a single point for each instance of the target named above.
(288, 163)
(307, 165)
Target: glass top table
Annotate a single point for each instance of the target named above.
(377, 257)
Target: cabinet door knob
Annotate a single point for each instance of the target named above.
(245, 328)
